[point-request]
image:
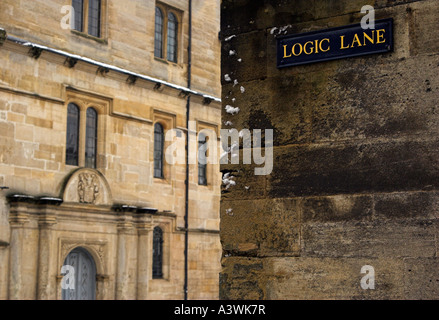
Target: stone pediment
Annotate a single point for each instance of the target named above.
(87, 186)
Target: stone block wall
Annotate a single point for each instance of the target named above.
(34, 95)
(127, 37)
(355, 176)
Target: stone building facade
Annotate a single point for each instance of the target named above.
(90, 196)
(355, 157)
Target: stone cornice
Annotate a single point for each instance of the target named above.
(72, 59)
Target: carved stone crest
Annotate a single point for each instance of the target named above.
(88, 187)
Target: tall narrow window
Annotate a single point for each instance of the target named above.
(157, 253)
(78, 14)
(158, 40)
(72, 141)
(202, 160)
(166, 32)
(172, 37)
(158, 150)
(87, 16)
(94, 15)
(91, 136)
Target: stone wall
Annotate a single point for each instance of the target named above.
(355, 177)
(127, 37)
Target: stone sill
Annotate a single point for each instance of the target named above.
(87, 36)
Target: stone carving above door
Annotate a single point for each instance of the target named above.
(87, 186)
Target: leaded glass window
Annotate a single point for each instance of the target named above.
(78, 14)
(72, 140)
(94, 18)
(91, 135)
(166, 33)
(202, 160)
(158, 150)
(158, 39)
(157, 253)
(172, 37)
(87, 16)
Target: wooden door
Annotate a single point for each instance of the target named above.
(81, 262)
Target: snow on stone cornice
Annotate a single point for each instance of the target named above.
(113, 68)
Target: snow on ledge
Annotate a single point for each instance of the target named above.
(111, 67)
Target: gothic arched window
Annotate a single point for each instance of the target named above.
(72, 141)
(157, 253)
(91, 136)
(172, 37)
(166, 33)
(202, 160)
(158, 150)
(158, 39)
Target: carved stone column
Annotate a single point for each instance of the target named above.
(144, 265)
(23, 254)
(126, 273)
(46, 283)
